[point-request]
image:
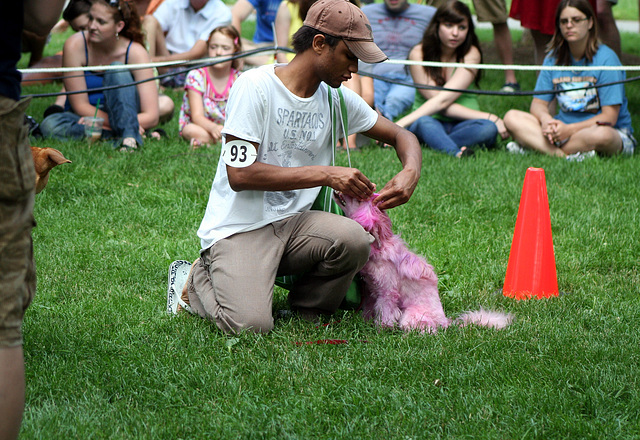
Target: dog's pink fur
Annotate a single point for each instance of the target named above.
(401, 288)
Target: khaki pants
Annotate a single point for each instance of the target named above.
(17, 195)
(232, 283)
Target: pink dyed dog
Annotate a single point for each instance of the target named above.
(401, 288)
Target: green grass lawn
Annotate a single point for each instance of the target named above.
(104, 360)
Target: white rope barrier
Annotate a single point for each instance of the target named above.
(510, 66)
(216, 60)
(199, 61)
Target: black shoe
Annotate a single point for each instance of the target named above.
(34, 127)
(52, 109)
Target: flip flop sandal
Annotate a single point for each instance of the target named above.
(178, 274)
(195, 143)
(161, 134)
(125, 148)
(466, 153)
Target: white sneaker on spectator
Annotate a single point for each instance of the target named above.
(514, 148)
(581, 155)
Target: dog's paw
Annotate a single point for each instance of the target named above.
(420, 320)
(387, 315)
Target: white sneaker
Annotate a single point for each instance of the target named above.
(580, 156)
(514, 148)
(178, 274)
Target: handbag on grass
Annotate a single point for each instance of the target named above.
(326, 202)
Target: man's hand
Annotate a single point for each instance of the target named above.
(398, 190)
(351, 182)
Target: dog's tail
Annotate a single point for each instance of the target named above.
(485, 318)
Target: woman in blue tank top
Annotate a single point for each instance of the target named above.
(113, 37)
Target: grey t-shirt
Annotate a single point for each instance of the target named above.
(396, 34)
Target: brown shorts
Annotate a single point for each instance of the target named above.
(17, 195)
(492, 11)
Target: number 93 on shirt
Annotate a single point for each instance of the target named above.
(238, 153)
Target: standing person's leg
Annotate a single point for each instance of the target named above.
(607, 27)
(540, 42)
(328, 250)
(11, 391)
(17, 268)
(495, 12)
(504, 45)
(122, 104)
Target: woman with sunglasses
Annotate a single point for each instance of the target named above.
(591, 118)
(113, 37)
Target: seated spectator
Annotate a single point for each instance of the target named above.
(449, 121)
(114, 37)
(397, 27)
(202, 113)
(179, 30)
(265, 11)
(288, 20)
(76, 15)
(589, 120)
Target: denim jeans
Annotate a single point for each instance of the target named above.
(450, 136)
(393, 99)
(121, 104)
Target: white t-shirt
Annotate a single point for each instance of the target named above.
(292, 132)
(184, 26)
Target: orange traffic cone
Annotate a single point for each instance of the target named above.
(531, 271)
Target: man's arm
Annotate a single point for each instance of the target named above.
(399, 189)
(264, 177)
(199, 50)
(239, 13)
(41, 15)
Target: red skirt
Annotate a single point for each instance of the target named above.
(538, 15)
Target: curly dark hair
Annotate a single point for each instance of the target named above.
(125, 10)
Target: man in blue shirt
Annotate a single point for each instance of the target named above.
(265, 11)
(397, 27)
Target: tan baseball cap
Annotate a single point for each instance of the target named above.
(342, 19)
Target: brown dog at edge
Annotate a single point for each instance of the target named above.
(44, 159)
